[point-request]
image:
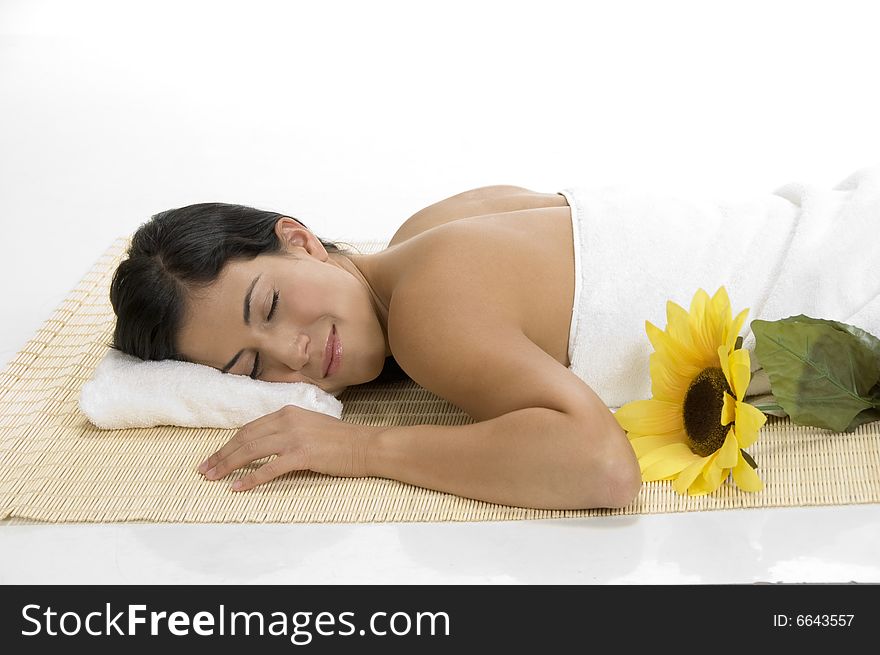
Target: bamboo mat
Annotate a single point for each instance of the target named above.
(55, 466)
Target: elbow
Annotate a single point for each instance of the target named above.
(616, 476)
(601, 471)
(623, 477)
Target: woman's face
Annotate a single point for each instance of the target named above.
(270, 318)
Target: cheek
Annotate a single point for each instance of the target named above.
(305, 302)
(334, 296)
(343, 297)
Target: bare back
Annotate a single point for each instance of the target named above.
(481, 308)
(522, 258)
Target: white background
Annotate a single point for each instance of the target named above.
(354, 115)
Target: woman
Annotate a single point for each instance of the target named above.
(473, 300)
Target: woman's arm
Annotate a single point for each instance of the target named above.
(543, 437)
(532, 457)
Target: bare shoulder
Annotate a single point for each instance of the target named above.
(480, 201)
(454, 332)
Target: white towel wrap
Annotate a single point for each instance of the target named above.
(803, 249)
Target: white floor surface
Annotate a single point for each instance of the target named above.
(790, 544)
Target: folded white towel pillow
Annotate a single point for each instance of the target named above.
(128, 392)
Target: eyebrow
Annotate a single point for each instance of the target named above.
(246, 314)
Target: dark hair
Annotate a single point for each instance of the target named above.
(172, 254)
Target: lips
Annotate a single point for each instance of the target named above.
(328, 349)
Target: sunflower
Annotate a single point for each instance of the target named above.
(694, 428)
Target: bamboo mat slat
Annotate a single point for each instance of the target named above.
(55, 466)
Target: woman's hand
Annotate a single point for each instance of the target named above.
(301, 439)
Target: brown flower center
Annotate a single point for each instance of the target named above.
(703, 403)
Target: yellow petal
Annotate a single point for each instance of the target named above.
(698, 323)
(745, 476)
(644, 445)
(749, 421)
(666, 461)
(728, 411)
(712, 474)
(700, 487)
(672, 366)
(678, 328)
(680, 355)
(740, 368)
(724, 360)
(721, 309)
(678, 448)
(735, 328)
(729, 451)
(666, 383)
(655, 335)
(688, 475)
(715, 317)
(650, 417)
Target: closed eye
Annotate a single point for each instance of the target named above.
(254, 373)
(274, 305)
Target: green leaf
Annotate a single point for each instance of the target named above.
(748, 459)
(767, 404)
(868, 339)
(769, 407)
(863, 417)
(821, 372)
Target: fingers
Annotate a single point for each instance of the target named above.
(249, 432)
(269, 471)
(248, 450)
(255, 440)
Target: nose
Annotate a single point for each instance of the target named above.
(301, 351)
(294, 353)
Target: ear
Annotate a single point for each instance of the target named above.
(293, 235)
